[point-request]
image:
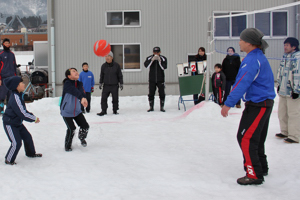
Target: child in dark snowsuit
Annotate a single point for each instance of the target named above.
(218, 84)
(13, 118)
(70, 108)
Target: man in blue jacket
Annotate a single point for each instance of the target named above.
(8, 68)
(87, 79)
(255, 82)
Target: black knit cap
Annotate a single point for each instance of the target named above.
(293, 42)
(12, 83)
(5, 40)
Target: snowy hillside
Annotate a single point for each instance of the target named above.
(24, 7)
(136, 155)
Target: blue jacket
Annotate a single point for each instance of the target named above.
(72, 94)
(16, 111)
(87, 78)
(254, 81)
(8, 66)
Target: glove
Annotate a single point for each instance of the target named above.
(92, 89)
(294, 95)
(153, 58)
(121, 86)
(158, 58)
(101, 86)
(18, 65)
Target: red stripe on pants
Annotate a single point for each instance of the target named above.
(245, 144)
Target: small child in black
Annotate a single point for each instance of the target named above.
(218, 84)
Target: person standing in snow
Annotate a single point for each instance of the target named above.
(157, 65)
(231, 65)
(111, 79)
(201, 56)
(218, 80)
(255, 78)
(8, 68)
(70, 108)
(13, 118)
(87, 79)
(288, 79)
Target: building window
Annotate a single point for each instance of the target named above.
(272, 24)
(231, 26)
(21, 41)
(127, 55)
(123, 18)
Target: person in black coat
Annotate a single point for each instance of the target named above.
(231, 65)
(157, 64)
(218, 84)
(201, 56)
(111, 79)
(8, 68)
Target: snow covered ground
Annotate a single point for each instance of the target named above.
(137, 155)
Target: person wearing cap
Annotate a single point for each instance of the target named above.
(8, 68)
(255, 83)
(111, 79)
(288, 80)
(13, 118)
(157, 65)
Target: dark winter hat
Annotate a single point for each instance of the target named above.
(5, 40)
(156, 49)
(293, 42)
(12, 83)
(231, 48)
(254, 36)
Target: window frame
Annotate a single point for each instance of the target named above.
(271, 36)
(123, 59)
(123, 16)
(230, 24)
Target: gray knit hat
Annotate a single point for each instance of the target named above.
(110, 54)
(254, 36)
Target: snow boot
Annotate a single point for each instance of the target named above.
(1, 107)
(151, 103)
(115, 112)
(162, 104)
(82, 135)
(68, 140)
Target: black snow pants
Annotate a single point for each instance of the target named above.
(252, 135)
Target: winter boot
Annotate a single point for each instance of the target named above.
(82, 135)
(115, 112)
(68, 140)
(151, 103)
(1, 107)
(162, 104)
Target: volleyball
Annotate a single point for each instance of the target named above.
(101, 48)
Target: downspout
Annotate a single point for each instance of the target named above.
(52, 32)
(297, 21)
